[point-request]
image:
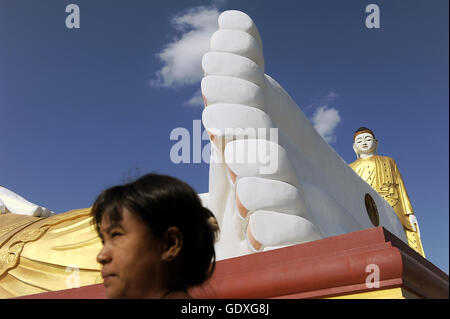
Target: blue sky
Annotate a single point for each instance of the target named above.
(83, 109)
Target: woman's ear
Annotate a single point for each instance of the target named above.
(173, 243)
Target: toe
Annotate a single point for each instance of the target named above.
(228, 64)
(223, 119)
(240, 43)
(238, 20)
(260, 158)
(255, 193)
(226, 89)
(278, 229)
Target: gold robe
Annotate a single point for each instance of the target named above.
(381, 172)
(47, 254)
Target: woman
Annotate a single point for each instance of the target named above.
(158, 239)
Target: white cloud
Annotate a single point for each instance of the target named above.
(182, 57)
(325, 118)
(329, 97)
(325, 121)
(196, 100)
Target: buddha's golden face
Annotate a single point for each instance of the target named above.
(365, 143)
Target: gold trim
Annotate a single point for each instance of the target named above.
(392, 293)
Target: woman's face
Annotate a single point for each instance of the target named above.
(131, 259)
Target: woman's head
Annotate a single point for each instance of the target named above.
(157, 237)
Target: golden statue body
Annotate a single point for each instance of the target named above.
(382, 173)
(47, 254)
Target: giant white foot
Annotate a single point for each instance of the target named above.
(279, 187)
(10, 202)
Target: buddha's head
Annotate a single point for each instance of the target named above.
(364, 142)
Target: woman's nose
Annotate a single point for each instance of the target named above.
(104, 256)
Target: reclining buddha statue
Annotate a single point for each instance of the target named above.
(297, 189)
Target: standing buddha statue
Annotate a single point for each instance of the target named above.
(382, 173)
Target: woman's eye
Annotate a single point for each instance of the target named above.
(115, 234)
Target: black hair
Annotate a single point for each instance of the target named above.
(163, 201)
(364, 129)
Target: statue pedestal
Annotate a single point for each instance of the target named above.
(334, 267)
